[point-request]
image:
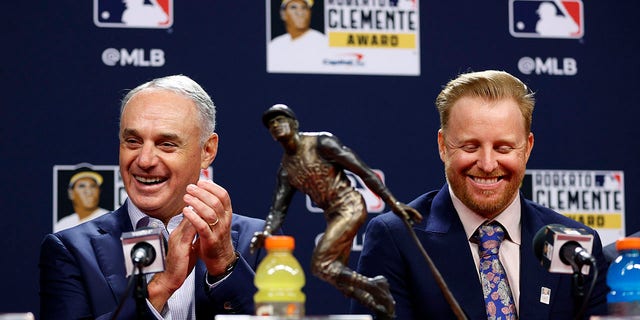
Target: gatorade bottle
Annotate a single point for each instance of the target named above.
(623, 278)
(279, 280)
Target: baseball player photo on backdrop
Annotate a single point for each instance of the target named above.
(81, 194)
(295, 44)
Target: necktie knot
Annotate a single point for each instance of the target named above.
(490, 236)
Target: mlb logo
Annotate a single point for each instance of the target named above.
(152, 14)
(561, 19)
(374, 203)
(609, 181)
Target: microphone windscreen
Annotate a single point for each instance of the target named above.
(539, 238)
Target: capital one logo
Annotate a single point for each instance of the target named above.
(152, 14)
(546, 19)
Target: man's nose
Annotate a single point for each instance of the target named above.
(487, 160)
(147, 156)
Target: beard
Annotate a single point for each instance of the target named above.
(486, 203)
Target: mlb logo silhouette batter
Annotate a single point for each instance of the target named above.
(153, 14)
(546, 19)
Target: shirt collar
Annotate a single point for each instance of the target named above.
(139, 219)
(509, 218)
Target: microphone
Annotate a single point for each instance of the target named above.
(141, 248)
(143, 254)
(564, 250)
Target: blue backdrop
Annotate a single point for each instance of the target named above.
(60, 100)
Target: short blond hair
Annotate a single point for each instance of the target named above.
(489, 84)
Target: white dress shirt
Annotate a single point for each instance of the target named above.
(181, 304)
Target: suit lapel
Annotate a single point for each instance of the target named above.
(533, 280)
(108, 250)
(446, 241)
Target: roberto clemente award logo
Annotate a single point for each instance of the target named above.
(343, 37)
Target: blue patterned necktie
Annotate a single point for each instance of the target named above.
(495, 286)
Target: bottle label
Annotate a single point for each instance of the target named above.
(281, 309)
(629, 308)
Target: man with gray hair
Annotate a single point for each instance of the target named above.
(167, 136)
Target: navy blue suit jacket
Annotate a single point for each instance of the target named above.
(390, 251)
(82, 272)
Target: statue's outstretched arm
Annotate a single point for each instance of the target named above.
(333, 150)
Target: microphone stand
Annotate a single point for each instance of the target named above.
(457, 310)
(577, 287)
(140, 293)
(578, 291)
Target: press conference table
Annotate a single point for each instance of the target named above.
(310, 317)
(368, 317)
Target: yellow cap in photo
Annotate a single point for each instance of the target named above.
(285, 2)
(86, 174)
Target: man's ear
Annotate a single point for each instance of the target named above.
(441, 145)
(530, 141)
(209, 151)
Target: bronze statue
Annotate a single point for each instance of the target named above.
(314, 163)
